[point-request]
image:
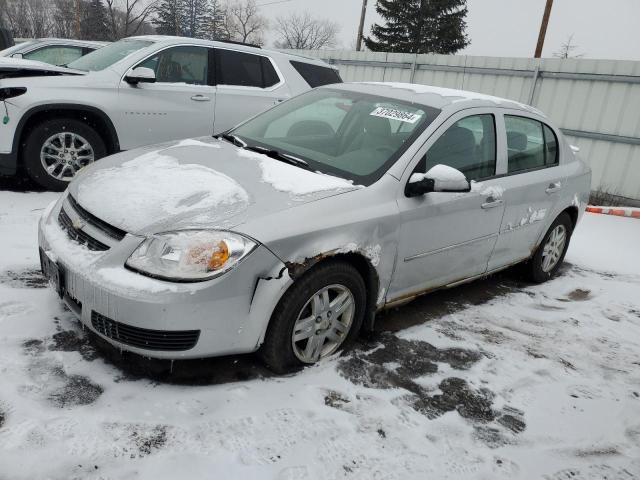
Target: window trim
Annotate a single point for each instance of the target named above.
(542, 124)
(246, 87)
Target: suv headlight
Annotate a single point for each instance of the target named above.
(190, 255)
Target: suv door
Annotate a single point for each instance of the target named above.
(180, 104)
(247, 85)
(532, 184)
(447, 237)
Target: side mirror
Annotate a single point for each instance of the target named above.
(140, 75)
(17, 55)
(439, 178)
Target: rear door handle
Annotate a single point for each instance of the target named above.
(491, 203)
(553, 187)
(200, 98)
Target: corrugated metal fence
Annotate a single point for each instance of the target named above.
(595, 102)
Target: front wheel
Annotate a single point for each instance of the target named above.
(549, 256)
(56, 149)
(321, 313)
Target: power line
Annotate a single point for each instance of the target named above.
(273, 3)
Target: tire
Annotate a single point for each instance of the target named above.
(279, 351)
(538, 270)
(34, 145)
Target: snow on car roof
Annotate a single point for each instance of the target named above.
(438, 97)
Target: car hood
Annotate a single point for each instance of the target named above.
(18, 67)
(196, 183)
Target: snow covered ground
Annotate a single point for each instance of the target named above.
(496, 379)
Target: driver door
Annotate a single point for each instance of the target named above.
(180, 104)
(447, 237)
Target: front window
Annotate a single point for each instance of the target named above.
(469, 145)
(107, 56)
(348, 134)
(180, 65)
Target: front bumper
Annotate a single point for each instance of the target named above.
(136, 313)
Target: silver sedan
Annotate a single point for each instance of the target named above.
(289, 232)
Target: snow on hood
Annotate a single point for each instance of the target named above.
(156, 185)
(294, 180)
(195, 183)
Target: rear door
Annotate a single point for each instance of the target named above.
(446, 237)
(532, 184)
(247, 84)
(180, 104)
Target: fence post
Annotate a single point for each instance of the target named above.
(413, 67)
(532, 91)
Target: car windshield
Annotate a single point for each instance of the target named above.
(344, 133)
(107, 56)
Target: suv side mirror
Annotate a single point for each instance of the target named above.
(439, 178)
(140, 75)
(17, 55)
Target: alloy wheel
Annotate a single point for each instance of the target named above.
(63, 154)
(554, 248)
(323, 323)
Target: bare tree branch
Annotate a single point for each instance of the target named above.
(305, 33)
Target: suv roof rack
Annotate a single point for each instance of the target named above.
(233, 42)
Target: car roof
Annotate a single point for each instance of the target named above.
(170, 40)
(432, 96)
(66, 41)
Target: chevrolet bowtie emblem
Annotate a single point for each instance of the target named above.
(78, 224)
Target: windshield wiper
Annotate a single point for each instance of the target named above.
(283, 157)
(237, 141)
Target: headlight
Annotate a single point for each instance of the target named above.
(190, 255)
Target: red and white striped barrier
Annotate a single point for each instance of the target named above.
(619, 211)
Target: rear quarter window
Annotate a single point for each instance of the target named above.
(316, 75)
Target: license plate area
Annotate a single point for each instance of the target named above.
(54, 272)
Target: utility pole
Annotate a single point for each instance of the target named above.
(543, 28)
(361, 27)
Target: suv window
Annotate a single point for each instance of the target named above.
(469, 145)
(180, 65)
(244, 69)
(531, 144)
(55, 55)
(316, 75)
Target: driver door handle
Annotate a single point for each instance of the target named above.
(200, 98)
(553, 187)
(491, 203)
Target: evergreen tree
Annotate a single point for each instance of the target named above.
(197, 18)
(169, 18)
(95, 24)
(420, 26)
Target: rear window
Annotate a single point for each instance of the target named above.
(244, 69)
(316, 75)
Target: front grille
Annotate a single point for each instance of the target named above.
(78, 235)
(91, 219)
(168, 340)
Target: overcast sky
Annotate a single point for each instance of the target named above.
(602, 29)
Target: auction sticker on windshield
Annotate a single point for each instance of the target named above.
(393, 114)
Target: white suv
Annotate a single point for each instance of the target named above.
(134, 92)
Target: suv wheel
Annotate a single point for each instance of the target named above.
(55, 150)
(321, 313)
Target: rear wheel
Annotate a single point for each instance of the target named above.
(321, 313)
(549, 256)
(55, 150)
